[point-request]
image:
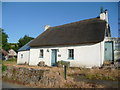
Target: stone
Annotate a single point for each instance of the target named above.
(41, 64)
(44, 77)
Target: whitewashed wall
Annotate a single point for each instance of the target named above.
(84, 55)
(26, 57)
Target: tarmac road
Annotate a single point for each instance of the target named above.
(11, 85)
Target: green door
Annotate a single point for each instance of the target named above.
(54, 57)
(109, 51)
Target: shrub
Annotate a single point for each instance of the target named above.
(4, 67)
(61, 63)
(12, 59)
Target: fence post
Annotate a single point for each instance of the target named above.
(65, 70)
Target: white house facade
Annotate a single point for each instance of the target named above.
(23, 57)
(82, 57)
(24, 54)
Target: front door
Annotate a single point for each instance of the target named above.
(109, 53)
(54, 57)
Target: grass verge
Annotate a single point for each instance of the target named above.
(10, 61)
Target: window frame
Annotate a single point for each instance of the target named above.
(21, 55)
(71, 54)
(41, 54)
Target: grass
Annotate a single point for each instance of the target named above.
(10, 61)
(0, 61)
(100, 77)
(98, 74)
(4, 67)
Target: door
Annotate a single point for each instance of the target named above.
(54, 57)
(109, 53)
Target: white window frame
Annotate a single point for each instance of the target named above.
(71, 57)
(21, 55)
(41, 54)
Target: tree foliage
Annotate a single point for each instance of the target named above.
(5, 44)
(0, 38)
(14, 46)
(24, 40)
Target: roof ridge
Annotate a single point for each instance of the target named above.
(76, 22)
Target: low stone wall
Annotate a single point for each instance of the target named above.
(37, 77)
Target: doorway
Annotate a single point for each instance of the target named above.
(109, 52)
(54, 57)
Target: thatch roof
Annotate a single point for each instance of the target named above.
(81, 32)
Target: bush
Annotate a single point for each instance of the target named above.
(61, 63)
(4, 67)
(12, 59)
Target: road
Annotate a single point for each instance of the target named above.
(11, 85)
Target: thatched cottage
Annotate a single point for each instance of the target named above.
(81, 43)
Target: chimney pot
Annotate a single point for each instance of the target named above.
(46, 27)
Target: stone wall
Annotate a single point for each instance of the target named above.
(36, 77)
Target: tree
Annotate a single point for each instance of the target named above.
(14, 46)
(0, 38)
(24, 40)
(4, 36)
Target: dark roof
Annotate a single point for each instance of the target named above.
(25, 47)
(81, 32)
(4, 52)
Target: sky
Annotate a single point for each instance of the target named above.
(29, 18)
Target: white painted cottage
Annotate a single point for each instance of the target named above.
(81, 43)
(11, 53)
(24, 54)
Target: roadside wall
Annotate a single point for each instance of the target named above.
(37, 77)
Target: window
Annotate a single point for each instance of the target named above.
(41, 53)
(70, 53)
(21, 55)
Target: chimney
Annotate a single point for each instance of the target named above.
(104, 15)
(46, 27)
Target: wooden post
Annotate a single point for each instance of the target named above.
(65, 70)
